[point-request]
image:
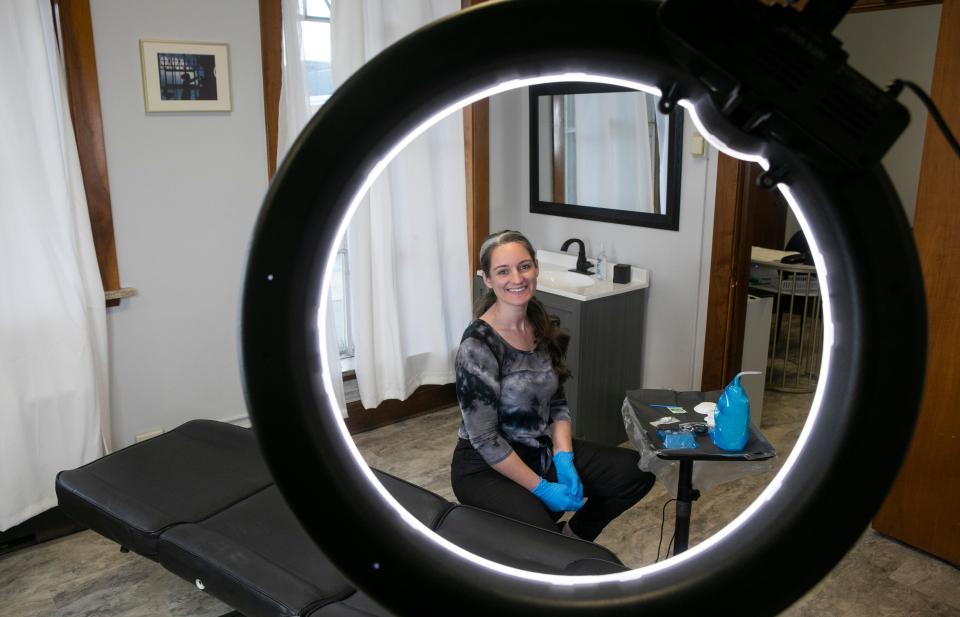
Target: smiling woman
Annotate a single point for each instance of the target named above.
(516, 455)
(818, 503)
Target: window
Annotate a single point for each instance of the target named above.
(315, 39)
(340, 301)
(316, 50)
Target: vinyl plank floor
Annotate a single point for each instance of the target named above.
(85, 575)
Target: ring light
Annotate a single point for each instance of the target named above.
(801, 525)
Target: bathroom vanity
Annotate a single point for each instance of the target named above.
(605, 321)
(604, 357)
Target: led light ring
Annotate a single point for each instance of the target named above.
(841, 467)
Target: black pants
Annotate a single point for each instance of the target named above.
(612, 483)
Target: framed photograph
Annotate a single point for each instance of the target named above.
(179, 76)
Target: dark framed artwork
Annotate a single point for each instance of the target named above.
(182, 76)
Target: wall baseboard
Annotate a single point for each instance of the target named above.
(425, 399)
(47, 525)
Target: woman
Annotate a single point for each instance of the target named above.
(516, 455)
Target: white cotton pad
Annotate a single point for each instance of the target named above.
(705, 408)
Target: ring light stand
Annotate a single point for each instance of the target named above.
(828, 489)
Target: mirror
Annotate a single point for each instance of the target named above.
(596, 150)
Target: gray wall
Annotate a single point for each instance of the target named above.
(885, 45)
(678, 260)
(186, 189)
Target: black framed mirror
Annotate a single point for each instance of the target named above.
(604, 153)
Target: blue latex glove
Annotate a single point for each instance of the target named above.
(567, 474)
(556, 497)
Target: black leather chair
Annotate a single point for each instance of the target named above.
(200, 501)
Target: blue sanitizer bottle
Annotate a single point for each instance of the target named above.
(732, 418)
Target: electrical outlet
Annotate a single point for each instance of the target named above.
(148, 435)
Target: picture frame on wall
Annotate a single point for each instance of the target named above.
(184, 76)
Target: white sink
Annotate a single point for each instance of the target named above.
(555, 277)
(564, 279)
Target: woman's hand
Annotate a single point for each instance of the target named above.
(563, 458)
(556, 497)
(567, 474)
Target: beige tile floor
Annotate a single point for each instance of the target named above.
(84, 575)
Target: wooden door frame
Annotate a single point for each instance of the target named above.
(920, 509)
(476, 139)
(727, 298)
(83, 93)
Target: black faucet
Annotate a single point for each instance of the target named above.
(583, 266)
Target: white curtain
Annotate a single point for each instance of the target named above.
(407, 243)
(613, 151)
(54, 411)
(295, 112)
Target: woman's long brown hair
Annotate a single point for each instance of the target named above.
(546, 328)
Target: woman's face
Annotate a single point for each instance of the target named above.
(513, 274)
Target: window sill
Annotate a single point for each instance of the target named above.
(113, 296)
(347, 365)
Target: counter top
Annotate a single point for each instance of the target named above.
(551, 262)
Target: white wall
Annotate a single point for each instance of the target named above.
(185, 190)
(676, 313)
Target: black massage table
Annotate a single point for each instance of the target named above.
(200, 501)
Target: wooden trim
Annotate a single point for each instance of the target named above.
(425, 399)
(476, 144)
(658, 202)
(922, 507)
(83, 92)
(729, 275)
(271, 58)
(558, 148)
(118, 294)
(863, 6)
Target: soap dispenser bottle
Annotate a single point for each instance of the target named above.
(601, 268)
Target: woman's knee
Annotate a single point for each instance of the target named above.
(633, 480)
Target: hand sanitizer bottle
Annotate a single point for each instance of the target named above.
(601, 268)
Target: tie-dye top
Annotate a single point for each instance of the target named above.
(506, 395)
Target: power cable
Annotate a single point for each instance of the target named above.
(896, 87)
(663, 519)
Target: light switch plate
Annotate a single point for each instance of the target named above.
(698, 145)
(148, 435)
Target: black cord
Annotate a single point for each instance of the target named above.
(669, 546)
(896, 87)
(663, 519)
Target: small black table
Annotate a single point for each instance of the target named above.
(647, 406)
